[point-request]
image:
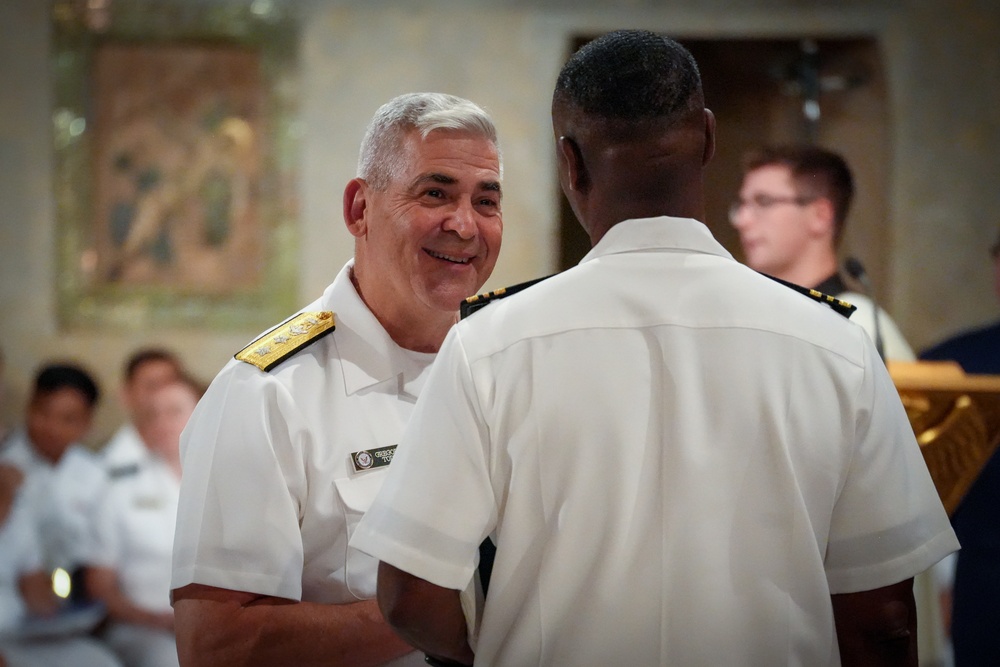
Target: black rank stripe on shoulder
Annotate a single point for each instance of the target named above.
(286, 339)
(474, 303)
(842, 307)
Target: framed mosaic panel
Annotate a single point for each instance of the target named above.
(175, 155)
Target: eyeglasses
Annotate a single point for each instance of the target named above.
(759, 203)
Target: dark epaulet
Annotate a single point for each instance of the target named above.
(286, 339)
(474, 303)
(842, 307)
(123, 471)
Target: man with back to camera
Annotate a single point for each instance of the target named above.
(289, 445)
(790, 215)
(683, 461)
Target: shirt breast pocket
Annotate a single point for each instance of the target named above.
(356, 495)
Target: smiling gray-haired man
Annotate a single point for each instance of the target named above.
(290, 443)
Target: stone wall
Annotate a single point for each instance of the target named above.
(941, 65)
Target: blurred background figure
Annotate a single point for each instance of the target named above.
(26, 594)
(62, 478)
(134, 532)
(790, 214)
(49, 484)
(20, 558)
(975, 635)
(144, 372)
(976, 350)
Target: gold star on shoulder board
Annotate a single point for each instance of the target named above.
(285, 340)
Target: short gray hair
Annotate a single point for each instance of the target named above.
(380, 158)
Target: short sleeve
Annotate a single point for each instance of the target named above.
(437, 503)
(239, 480)
(888, 523)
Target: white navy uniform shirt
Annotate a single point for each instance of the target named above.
(125, 448)
(61, 498)
(133, 531)
(21, 554)
(269, 492)
(665, 443)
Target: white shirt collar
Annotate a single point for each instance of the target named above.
(657, 233)
(368, 356)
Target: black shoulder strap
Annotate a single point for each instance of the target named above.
(842, 307)
(474, 303)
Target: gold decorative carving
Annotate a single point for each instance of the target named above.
(956, 419)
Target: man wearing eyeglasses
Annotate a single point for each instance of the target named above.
(790, 214)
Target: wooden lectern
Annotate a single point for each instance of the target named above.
(956, 418)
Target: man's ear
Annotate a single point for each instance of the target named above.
(571, 163)
(355, 206)
(822, 221)
(709, 137)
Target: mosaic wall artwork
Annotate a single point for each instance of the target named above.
(175, 144)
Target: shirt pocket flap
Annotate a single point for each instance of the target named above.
(357, 493)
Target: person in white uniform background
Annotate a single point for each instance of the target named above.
(24, 586)
(683, 462)
(62, 478)
(129, 564)
(26, 595)
(145, 371)
(48, 525)
(290, 443)
(790, 214)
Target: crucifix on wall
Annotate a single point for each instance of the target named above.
(804, 77)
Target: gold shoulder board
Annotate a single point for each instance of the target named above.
(286, 339)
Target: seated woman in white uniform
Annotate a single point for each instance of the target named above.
(129, 567)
